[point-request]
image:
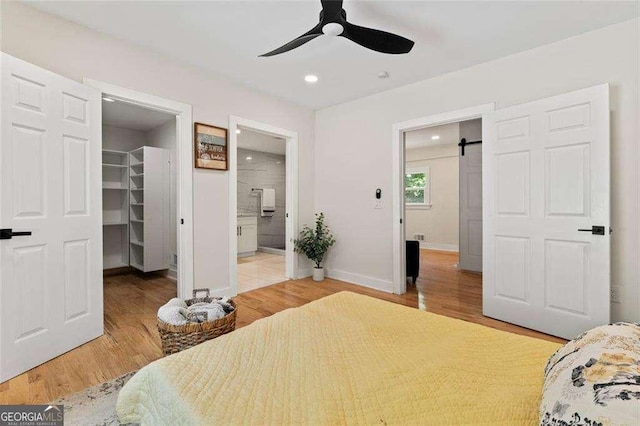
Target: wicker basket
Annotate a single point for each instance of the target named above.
(176, 338)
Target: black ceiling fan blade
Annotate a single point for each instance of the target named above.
(297, 42)
(291, 45)
(380, 41)
(331, 8)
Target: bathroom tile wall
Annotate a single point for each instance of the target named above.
(263, 170)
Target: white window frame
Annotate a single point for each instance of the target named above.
(427, 188)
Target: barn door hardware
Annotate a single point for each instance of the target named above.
(463, 143)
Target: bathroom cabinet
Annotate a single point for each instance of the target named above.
(247, 234)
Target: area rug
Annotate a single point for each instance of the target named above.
(95, 405)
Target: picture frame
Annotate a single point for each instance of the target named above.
(210, 145)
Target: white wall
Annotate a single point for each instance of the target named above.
(76, 52)
(257, 141)
(439, 223)
(346, 178)
(471, 130)
(120, 139)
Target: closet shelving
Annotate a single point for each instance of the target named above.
(148, 205)
(136, 203)
(136, 234)
(115, 212)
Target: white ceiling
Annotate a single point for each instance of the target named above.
(256, 141)
(128, 116)
(448, 133)
(226, 37)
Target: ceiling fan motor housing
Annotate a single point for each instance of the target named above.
(342, 16)
(333, 27)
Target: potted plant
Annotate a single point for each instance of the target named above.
(314, 244)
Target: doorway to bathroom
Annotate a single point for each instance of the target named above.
(262, 169)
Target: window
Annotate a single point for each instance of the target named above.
(417, 193)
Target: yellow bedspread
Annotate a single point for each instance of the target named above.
(345, 359)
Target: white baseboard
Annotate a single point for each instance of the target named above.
(247, 254)
(435, 246)
(363, 280)
(173, 272)
(271, 250)
(304, 273)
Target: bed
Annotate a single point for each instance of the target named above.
(346, 359)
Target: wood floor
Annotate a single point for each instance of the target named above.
(131, 340)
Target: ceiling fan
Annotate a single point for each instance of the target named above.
(333, 21)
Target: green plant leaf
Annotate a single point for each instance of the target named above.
(315, 242)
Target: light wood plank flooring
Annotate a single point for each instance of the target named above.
(131, 340)
(260, 270)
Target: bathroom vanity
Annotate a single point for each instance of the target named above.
(247, 233)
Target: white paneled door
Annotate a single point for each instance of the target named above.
(51, 280)
(471, 208)
(546, 186)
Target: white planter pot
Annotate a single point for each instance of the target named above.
(318, 274)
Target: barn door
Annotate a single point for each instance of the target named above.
(471, 208)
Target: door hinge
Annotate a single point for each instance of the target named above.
(400, 221)
(181, 221)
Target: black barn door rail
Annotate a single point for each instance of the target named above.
(463, 143)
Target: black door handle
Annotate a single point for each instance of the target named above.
(595, 230)
(7, 233)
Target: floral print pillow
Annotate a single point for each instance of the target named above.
(594, 379)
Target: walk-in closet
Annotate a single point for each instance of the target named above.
(138, 189)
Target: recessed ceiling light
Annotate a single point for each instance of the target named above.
(435, 137)
(383, 75)
(238, 131)
(248, 158)
(310, 78)
(108, 99)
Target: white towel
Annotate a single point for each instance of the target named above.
(268, 202)
(207, 311)
(176, 302)
(174, 315)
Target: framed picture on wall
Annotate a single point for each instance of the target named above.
(210, 143)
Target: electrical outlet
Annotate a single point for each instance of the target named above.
(615, 293)
(377, 204)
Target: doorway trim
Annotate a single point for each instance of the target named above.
(291, 209)
(398, 160)
(184, 154)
